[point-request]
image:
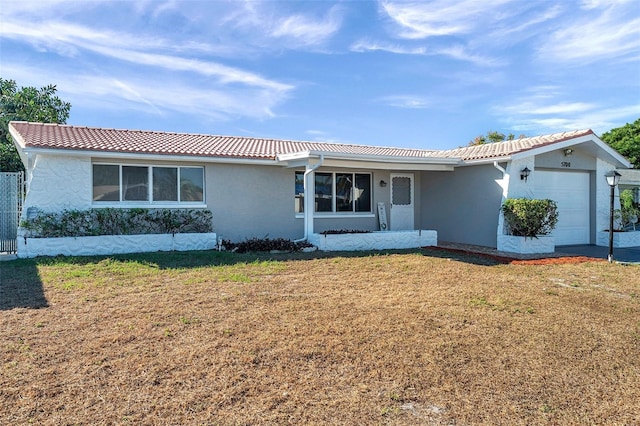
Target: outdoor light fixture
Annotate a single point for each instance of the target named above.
(568, 152)
(383, 183)
(524, 174)
(613, 177)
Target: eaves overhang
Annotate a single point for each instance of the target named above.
(479, 161)
(589, 143)
(382, 162)
(148, 156)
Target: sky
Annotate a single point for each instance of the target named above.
(423, 74)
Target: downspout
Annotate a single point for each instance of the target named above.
(505, 191)
(308, 200)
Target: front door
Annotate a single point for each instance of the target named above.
(402, 201)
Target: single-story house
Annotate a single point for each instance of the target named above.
(259, 187)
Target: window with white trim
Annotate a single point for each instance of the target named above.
(147, 184)
(336, 192)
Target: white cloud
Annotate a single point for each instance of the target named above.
(528, 24)
(70, 39)
(532, 108)
(457, 52)
(538, 112)
(440, 17)
(369, 46)
(406, 101)
(159, 96)
(306, 31)
(607, 30)
(461, 53)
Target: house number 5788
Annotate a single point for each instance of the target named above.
(565, 164)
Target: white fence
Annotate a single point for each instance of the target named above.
(11, 199)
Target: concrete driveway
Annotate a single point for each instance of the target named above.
(631, 254)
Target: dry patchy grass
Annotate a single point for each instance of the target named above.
(396, 338)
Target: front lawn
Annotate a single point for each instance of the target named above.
(404, 338)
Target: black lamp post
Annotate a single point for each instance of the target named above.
(613, 177)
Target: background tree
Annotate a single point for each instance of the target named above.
(26, 104)
(492, 137)
(626, 140)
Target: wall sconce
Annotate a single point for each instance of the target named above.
(383, 183)
(568, 152)
(524, 174)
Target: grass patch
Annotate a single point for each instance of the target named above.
(407, 337)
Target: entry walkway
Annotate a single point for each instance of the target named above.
(626, 255)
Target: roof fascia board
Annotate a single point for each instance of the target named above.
(19, 143)
(149, 157)
(571, 142)
(297, 163)
(480, 161)
(380, 165)
(368, 158)
(301, 155)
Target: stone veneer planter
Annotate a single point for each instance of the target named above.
(379, 240)
(620, 239)
(526, 245)
(114, 244)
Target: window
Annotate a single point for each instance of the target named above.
(135, 183)
(165, 184)
(401, 194)
(191, 184)
(106, 182)
(336, 192)
(147, 184)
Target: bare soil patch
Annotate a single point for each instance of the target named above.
(405, 338)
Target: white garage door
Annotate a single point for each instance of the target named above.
(571, 191)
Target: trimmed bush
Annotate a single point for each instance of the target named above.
(530, 218)
(265, 244)
(92, 222)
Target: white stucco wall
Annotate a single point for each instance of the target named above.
(114, 244)
(57, 183)
(519, 188)
(383, 240)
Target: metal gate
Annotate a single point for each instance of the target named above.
(11, 199)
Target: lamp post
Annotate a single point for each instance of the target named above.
(613, 177)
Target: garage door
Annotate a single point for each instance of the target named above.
(570, 190)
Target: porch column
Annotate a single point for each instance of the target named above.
(309, 199)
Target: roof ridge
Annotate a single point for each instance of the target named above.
(208, 135)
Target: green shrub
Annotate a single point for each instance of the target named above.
(82, 223)
(530, 218)
(629, 212)
(265, 244)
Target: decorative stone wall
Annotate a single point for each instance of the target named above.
(383, 240)
(114, 244)
(522, 245)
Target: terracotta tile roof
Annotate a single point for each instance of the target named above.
(55, 136)
(506, 148)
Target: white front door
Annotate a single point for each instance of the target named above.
(402, 201)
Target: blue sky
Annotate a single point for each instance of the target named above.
(427, 74)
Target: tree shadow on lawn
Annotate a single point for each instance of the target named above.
(20, 285)
(197, 259)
